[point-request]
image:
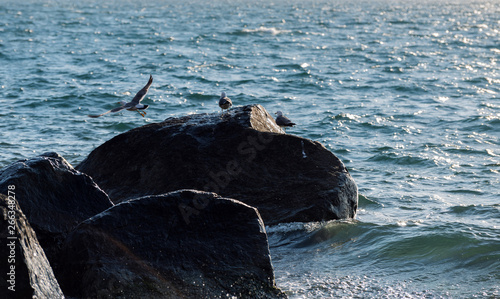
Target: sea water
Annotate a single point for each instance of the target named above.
(406, 93)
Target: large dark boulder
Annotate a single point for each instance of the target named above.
(155, 247)
(242, 154)
(26, 272)
(54, 197)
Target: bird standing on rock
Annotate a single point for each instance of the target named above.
(283, 121)
(224, 102)
(135, 104)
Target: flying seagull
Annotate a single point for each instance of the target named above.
(135, 104)
(283, 121)
(224, 102)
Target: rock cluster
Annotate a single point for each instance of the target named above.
(188, 200)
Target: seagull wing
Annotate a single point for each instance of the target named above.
(284, 121)
(289, 122)
(142, 93)
(225, 101)
(112, 110)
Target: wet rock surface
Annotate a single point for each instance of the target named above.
(26, 271)
(242, 154)
(156, 246)
(54, 197)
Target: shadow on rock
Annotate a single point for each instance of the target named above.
(26, 270)
(54, 197)
(144, 248)
(242, 154)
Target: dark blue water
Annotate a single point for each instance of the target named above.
(406, 94)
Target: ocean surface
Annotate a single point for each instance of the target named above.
(406, 93)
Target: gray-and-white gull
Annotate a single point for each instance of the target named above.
(224, 102)
(283, 121)
(135, 104)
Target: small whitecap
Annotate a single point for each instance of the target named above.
(491, 153)
(442, 99)
(401, 223)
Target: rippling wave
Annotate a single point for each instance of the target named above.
(408, 256)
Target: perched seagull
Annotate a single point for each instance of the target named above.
(283, 121)
(224, 102)
(135, 104)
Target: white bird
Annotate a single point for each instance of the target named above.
(224, 102)
(283, 121)
(135, 104)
